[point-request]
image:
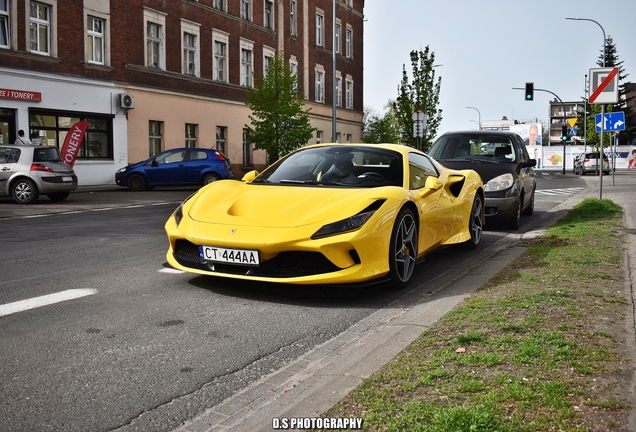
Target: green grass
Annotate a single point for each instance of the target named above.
(542, 345)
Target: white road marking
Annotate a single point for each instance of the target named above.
(171, 271)
(566, 191)
(22, 305)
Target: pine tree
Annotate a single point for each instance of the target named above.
(279, 123)
(422, 94)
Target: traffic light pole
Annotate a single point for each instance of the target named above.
(562, 107)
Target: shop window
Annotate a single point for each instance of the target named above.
(50, 128)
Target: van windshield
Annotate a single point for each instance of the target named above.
(467, 146)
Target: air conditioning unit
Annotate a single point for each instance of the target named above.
(125, 101)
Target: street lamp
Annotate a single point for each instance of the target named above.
(602, 153)
(478, 114)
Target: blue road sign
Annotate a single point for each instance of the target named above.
(614, 121)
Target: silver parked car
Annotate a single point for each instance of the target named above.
(589, 163)
(28, 171)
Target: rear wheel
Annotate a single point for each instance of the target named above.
(476, 223)
(210, 178)
(137, 183)
(58, 196)
(403, 248)
(24, 191)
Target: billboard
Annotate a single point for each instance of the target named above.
(530, 132)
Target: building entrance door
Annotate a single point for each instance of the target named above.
(7, 126)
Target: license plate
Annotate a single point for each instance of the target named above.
(230, 256)
(67, 178)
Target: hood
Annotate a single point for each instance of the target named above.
(486, 170)
(243, 204)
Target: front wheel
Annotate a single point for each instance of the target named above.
(403, 248)
(530, 209)
(210, 178)
(137, 183)
(58, 196)
(515, 220)
(475, 223)
(24, 191)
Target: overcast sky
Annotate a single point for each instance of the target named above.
(487, 47)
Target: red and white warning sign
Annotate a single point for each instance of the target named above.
(603, 85)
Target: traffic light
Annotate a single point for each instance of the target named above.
(529, 91)
(564, 133)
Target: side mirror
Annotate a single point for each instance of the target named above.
(248, 177)
(154, 163)
(431, 185)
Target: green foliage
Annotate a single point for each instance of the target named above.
(422, 94)
(279, 123)
(382, 129)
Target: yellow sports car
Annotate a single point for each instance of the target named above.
(328, 214)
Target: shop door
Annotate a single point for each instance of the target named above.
(7, 126)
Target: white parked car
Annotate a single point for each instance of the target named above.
(28, 171)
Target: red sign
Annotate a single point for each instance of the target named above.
(20, 95)
(73, 141)
(601, 87)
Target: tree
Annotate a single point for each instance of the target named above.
(381, 129)
(422, 94)
(279, 123)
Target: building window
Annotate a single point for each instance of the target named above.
(349, 94)
(40, 28)
(293, 25)
(189, 51)
(320, 29)
(221, 137)
(349, 138)
(337, 137)
(337, 40)
(268, 57)
(155, 136)
(268, 19)
(318, 136)
(339, 91)
(247, 149)
(218, 4)
(220, 42)
(348, 43)
(155, 44)
(50, 128)
(95, 33)
(320, 86)
(4, 24)
(190, 135)
(293, 70)
(246, 67)
(246, 10)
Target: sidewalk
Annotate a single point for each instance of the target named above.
(318, 380)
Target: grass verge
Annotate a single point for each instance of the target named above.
(541, 347)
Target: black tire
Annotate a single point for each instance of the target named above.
(24, 191)
(210, 178)
(528, 211)
(476, 223)
(515, 220)
(58, 196)
(403, 248)
(137, 183)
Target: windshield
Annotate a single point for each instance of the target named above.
(477, 147)
(359, 166)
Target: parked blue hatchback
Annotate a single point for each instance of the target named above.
(176, 167)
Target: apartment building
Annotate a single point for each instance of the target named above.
(151, 75)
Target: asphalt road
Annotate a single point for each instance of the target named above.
(147, 348)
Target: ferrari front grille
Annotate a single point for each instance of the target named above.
(284, 265)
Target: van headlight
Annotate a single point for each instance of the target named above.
(502, 182)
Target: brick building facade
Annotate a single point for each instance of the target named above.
(185, 66)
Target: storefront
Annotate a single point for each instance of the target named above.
(47, 106)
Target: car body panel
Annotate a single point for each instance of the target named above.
(282, 219)
(178, 167)
(16, 162)
(588, 163)
(500, 204)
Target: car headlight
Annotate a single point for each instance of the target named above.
(502, 182)
(350, 224)
(178, 214)
(121, 170)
